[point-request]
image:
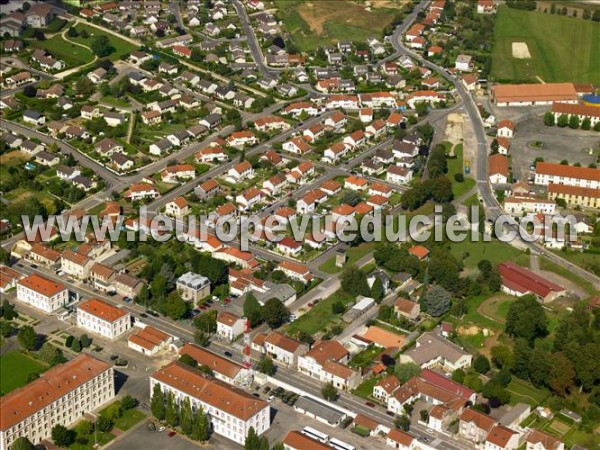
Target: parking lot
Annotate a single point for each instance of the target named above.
(557, 144)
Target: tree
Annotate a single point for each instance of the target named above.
(85, 340)
(187, 417)
(495, 146)
(459, 376)
(8, 310)
(522, 356)
(574, 122)
(207, 321)
(502, 356)
(481, 364)
(596, 15)
(72, 32)
(526, 319)
(201, 431)
(377, 290)
(175, 307)
(104, 424)
(402, 422)
(157, 402)
(406, 371)
(437, 301)
(62, 436)
(100, 46)
(27, 337)
(84, 34)
(549, 119)
(424, 415)
(563, 120)
(85, 427)
(329, 392)
(22, 443)
(171, 412)
(252, 310)
(50, 354)
(561, 375)
(337, 307)
(252, 441)
(354, 282)
(6, 329)
(76, 347)
(265, 365)
(201, 338)
(128, 402)
(586, 124)
(188, 360)
(496, 394)
(275, 313)
(538, 367)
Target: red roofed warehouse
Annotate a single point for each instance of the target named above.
(519, 281)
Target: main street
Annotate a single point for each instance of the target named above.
(492, 206)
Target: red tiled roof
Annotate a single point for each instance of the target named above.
(42, 285)
(102, 310)
(498, 164)
(523, 280)
(584, 173)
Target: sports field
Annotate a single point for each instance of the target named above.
(318, 22)
(15, 369)
(561, 48)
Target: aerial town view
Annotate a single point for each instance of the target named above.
(300, 224)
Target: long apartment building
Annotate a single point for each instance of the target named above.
(42, 293)
(62, 395)
(102, 318)
(551, 173)
(232, 411)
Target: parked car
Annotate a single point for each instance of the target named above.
(266, 389)
(228, 354)
(161, 429)
(370, 404)
(171, 433)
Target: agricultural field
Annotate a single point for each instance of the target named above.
(314, 23)
(541, 53)
(15, 369)
(72, 54)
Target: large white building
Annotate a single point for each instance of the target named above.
(550, 173)
(42, 293)
(519, 205)
(230, 326)
(102, 318)
(62, 395)
(231, 411)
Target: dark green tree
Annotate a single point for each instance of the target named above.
(27, 337)
(100, 46)
(329, 392)
(526, 319)
(481, 364)
(171, 411)
(549, 119)
(252, 441)
(354, 282)
(252, 310)
(201, 430)
(62, 436)
(437, 301)
(187, 417)
(104, 424)
(266, 366)
(157, 402)
(406, 371)
(22, 443)
(275, 313)
(188, 360)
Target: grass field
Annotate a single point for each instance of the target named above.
(495, 251)
(121, 47)
(561, 48)
(72, 55)
(455, 165)
(15, 369)
(524, 392)
(127, 420)
(314, 23)
(353, 254)
(320, 315)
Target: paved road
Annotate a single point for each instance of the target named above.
(492, 206)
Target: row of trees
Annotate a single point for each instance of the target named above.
(195, 425)
(572, 122)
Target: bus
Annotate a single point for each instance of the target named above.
(340, 445)
(315, 434)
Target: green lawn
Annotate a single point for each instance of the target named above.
(72, 55)
(552, 41)
(15, 368)
(366, 357)
(353, 254)
(456, 165)
(365, 389)
(495, 251)
(524, 392)
(312, 24)
(86, 441)
(129, 418)
(113, 101)
(320, 315)
(546, 264)
(121, 47)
